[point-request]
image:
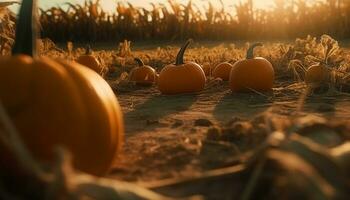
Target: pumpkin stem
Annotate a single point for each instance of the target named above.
(88, 50)
(26, 29)
(139, 62)
(180, 55)
(250, 51)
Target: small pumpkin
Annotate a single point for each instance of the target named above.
(317, 74)
(58, 103)
(180, 78)
(90, 61)
(223, 71)
(252, 73)
(143, 74)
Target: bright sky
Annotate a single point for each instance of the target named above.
(109, 5)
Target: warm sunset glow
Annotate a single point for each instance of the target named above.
(109, 5)
(164, 99)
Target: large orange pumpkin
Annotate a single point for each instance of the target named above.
(143, 74)
(223, 71)
(56, 103)
(181, 77)
(252, 73)
(90, 61)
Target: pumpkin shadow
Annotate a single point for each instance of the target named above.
(146, 116)
(240, 105)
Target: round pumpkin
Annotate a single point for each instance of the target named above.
(180, 78)
(252, 73)
(223, 71)
(55, 103)
(90, 61)
(317, 74)
(143, 74)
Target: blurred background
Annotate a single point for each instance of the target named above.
(174, 20)
(109, 5)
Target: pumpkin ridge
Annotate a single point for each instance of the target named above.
(110, 136)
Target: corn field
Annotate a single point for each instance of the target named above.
(175, 21)
(7, 27)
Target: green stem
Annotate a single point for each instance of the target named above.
(180, 55)
(250, 51)
(26, 29)
(139, 62)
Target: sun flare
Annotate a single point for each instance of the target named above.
(108, 5)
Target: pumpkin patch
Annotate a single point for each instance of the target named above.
(224, 119)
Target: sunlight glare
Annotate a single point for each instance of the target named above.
(108, 5)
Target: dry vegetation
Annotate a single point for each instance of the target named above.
(174, 21)
(317, 151)
(281, 156)
(290, 60)
(7, 27)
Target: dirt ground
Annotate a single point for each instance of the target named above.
(171, 136)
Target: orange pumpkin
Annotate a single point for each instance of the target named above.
(143, 74)
(90, 61)
(223, 71)
(317, 74)
(56, 103)
(252, 73)
(181, 77)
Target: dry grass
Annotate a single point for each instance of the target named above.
(7, 27)
(289, 60)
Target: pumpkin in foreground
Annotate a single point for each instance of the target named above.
(143, 74)
(223, 71)
(90, 61)
(55, 103)
(252, 73)
(181, 78)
